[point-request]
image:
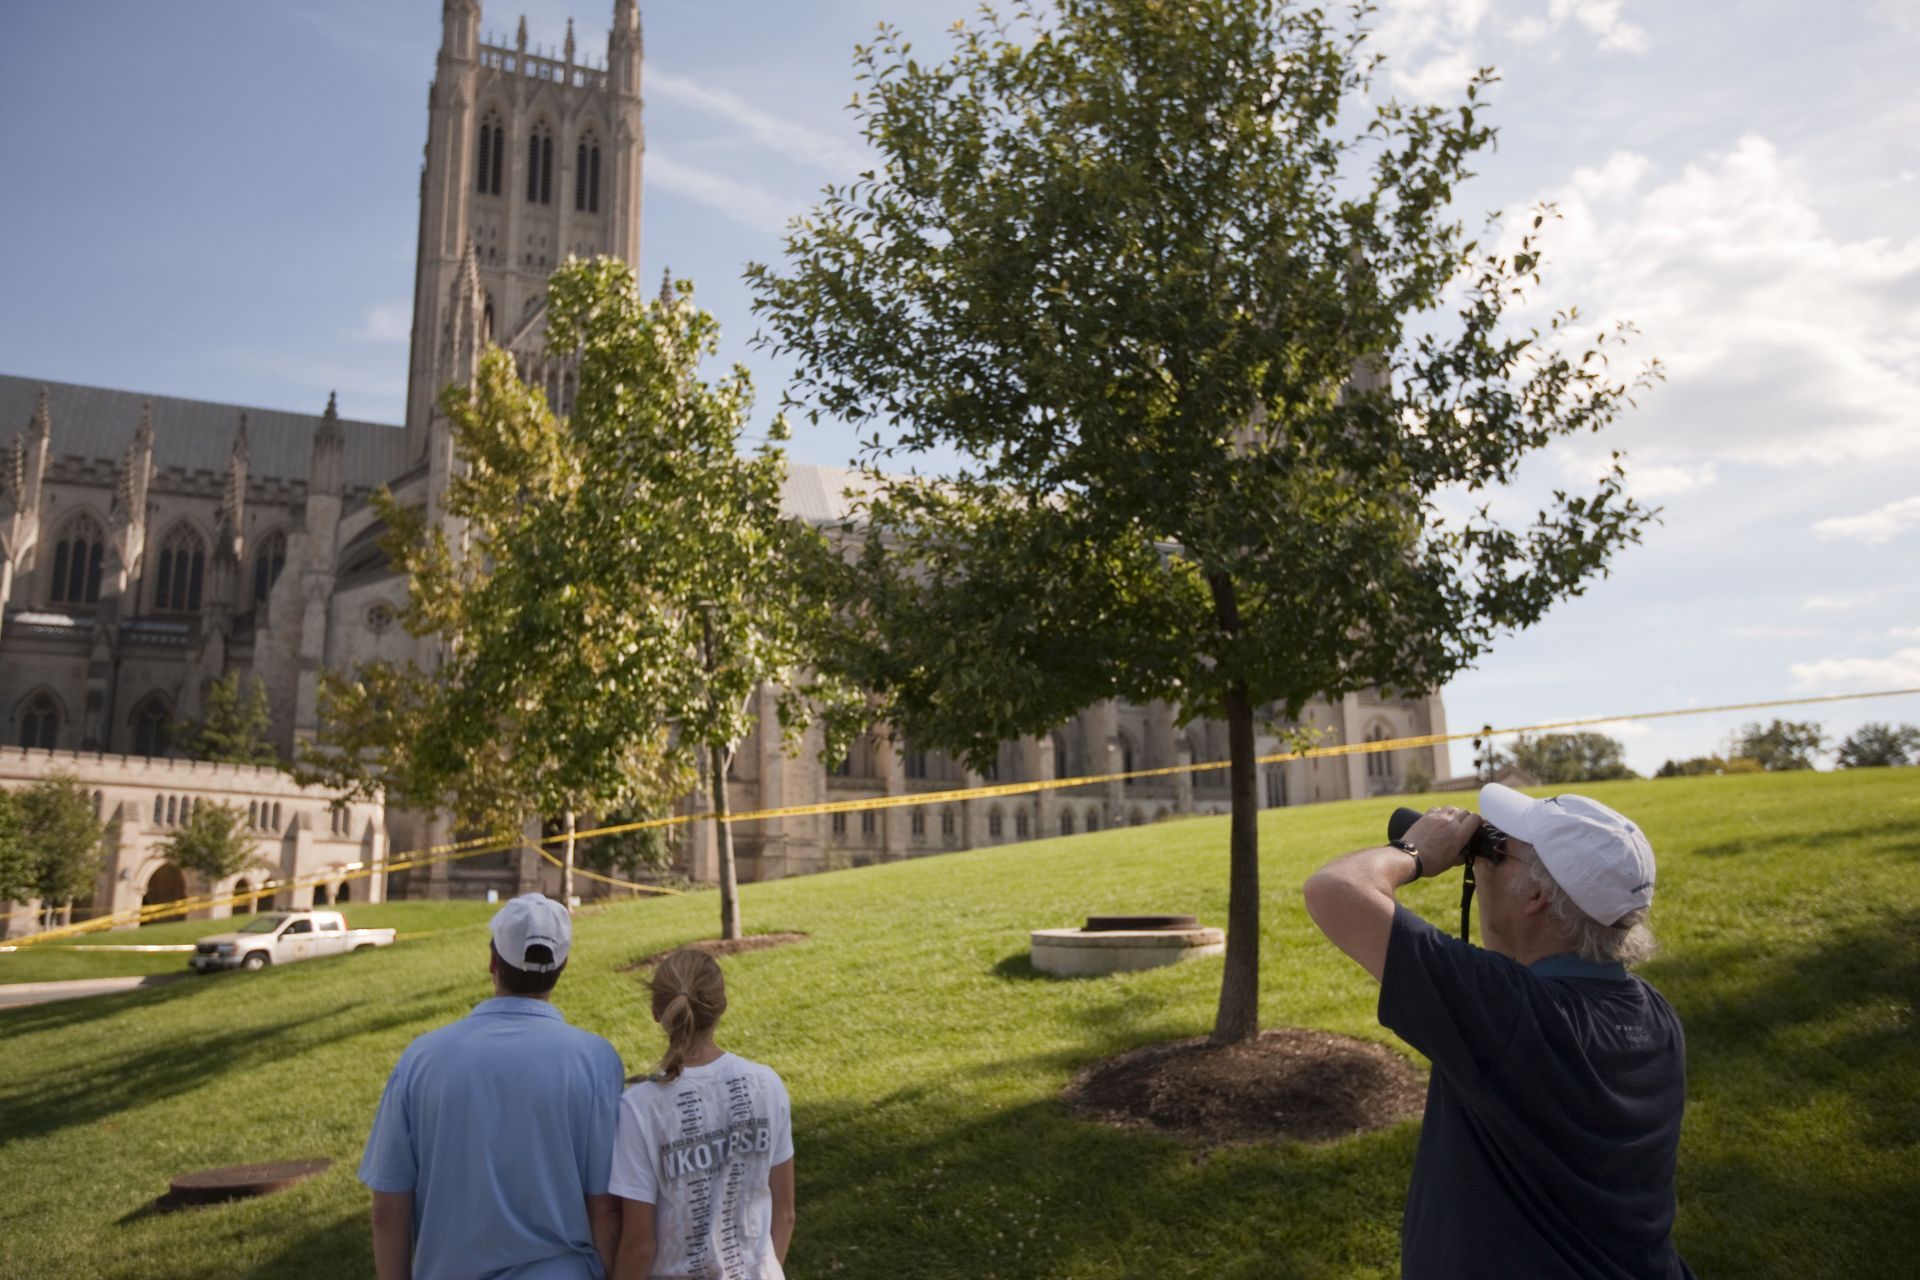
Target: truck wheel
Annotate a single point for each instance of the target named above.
(365, 946)
(255, 960)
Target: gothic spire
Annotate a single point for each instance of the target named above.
(569, 41)
(143, 436)
(325, 475)
(42, 419)
(521, 38)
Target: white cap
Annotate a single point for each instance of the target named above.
(1600, 857)
(532, 920)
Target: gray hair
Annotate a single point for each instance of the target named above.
(1626, 941)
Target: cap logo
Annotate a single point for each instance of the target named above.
(1644, 884)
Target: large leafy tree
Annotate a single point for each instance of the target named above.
(63, 840)
(1571, 757)
(214, 842)
(1197, 360)
(622, 583)
(1779, 744)
(1877, 744)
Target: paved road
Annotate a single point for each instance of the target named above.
(15, 994)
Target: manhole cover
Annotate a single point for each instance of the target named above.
(238, 1181)
(1117, 924)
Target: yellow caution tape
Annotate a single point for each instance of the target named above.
(484, 844)
(595, 875)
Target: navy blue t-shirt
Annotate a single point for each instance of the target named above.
(1553, 1113)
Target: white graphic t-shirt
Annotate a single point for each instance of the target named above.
(698, 1150)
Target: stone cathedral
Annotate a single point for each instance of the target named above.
(150, 545)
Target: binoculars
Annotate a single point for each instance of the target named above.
(1486, 842)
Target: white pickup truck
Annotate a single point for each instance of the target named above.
(282, 938)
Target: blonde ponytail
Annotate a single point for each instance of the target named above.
(689, 995)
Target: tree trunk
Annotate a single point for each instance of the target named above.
(723, 845)
(566, 864)
(1238, 1017)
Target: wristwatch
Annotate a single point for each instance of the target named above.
(1419, 867)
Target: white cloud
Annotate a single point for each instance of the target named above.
(1879, 525)
(1901, 669)
(1650, 476)
(1772, 632)
(746, 203)
(838, 157)
(1784, 343)
(1834, 604)
(1602, 18)
(1618, 729)
(388, 323)
(1904, 633)
(1435, 45)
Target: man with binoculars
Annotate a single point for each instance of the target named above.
(1553, 1109)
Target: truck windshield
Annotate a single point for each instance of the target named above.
(262, 924)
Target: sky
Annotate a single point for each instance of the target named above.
(219, 200)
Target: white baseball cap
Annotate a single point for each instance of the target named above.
(532, 920)
(1600, 857)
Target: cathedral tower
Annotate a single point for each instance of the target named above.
(531, 155)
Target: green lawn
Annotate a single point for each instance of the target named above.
(924, 1060)
(69, 957)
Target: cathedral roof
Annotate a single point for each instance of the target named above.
(197, 435)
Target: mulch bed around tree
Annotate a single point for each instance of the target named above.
(720, 947)
(1289, 1083)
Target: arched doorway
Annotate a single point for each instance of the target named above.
(165, 885)
(243, 906)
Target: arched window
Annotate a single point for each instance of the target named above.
(173, 809)
(276, 815)
(586, 176)
(919, 822)
(1066, 822)
(1276, 789)
(1093, 820)
(159, 810)
(1021, 827)
(267, 564)
(946, 822)
(1126, 754)
(1062, 768)
(152, 728)
(39, 723)
(540, 165)
(345, 893)
(253, 813)
(182, 569)
(995, 822)
(1379, 763)
(492, 158)
(78, 555)
(915, 762)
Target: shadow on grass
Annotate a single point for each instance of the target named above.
(1018, 967)
(36, 1106)
(1031, 1191)
(1763, 843)
(1806, 1062)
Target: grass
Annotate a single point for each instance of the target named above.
(68, 958)
(925, 1058)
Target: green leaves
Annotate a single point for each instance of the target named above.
(213, 841)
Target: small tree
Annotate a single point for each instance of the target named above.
(1571, 757)
(1877, 745)
(1781, 745)
(626, 583)
(717, 578)
(16, 859)
(214, 842)
(1204, 362)
(238, 724)
(63, 841)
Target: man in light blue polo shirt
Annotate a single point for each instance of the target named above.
(490, 1152)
